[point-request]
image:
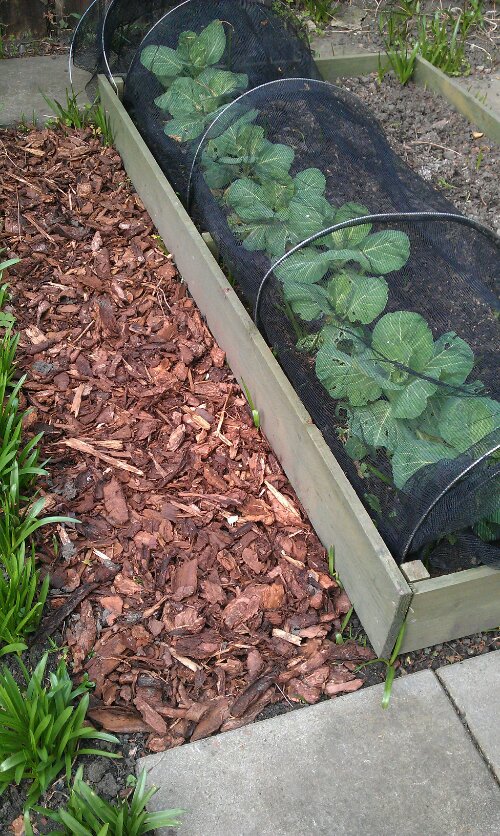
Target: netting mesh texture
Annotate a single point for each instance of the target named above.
(388, 330)
(109, 33)
(386, 326)
(195, 60)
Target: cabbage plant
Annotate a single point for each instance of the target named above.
(243, 152)
(195, 88)
(274, 214)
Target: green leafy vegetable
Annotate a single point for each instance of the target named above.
(358, 298)
(242, 151)
(465, 421)
(273, 215)
(404, 337)
(356, 377)
(409, 457)
(195, 88)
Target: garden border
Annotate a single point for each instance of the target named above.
(383, 594)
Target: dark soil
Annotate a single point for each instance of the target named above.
(437, 142)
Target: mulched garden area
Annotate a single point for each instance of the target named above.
(194, 591)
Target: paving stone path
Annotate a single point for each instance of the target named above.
(424, 767)
(23, 80)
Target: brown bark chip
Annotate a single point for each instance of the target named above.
(201, 593)
(185, 580)
(114, 502)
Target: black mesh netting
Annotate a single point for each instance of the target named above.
(108, 34)
(86, 44)
(388, 328)
(196, 59)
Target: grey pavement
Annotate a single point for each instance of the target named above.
(474, 688)
(23, 80)
(340, 767)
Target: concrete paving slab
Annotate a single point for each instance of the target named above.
(23, 80)
(474, 687)
(341, 767)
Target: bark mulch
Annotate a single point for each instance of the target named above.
(194, 592)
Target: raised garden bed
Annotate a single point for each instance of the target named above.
(436, 609)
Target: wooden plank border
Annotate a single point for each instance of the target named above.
(373, 581)
(452, 606)
(333, 67)
(466, 103)
(347, 65)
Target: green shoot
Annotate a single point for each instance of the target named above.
(331, 561)
(339, 637)
(390, 664)
(42, 727)
(102, 124)
(255, 412)
(331, 567)
(402, 60)
(443, 184)
(87, 814)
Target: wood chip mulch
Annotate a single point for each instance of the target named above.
(194, 593)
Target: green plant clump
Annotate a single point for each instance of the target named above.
(41, 727)
(86, 814)
(72, 115)
(22, 597)
(440, 37)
